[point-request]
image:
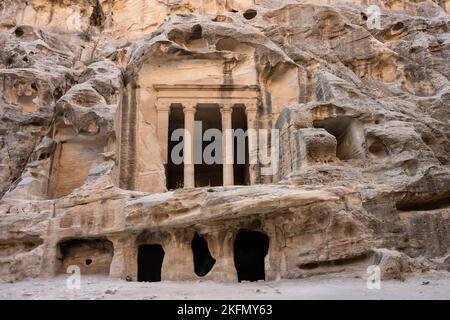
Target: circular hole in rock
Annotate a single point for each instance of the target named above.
(250, 14)
(398, 26)
(19, 32)
(88, 262)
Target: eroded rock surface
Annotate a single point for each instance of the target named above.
(362, 113)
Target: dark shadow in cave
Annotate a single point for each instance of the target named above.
(250, 249)
(203, 260)
(150, 260)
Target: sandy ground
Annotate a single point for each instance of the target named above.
(434, 285)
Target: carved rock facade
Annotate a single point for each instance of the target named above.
(93, 90)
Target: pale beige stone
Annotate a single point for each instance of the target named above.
(90, 92)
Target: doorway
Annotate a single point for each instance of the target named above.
(150, 260)
(250, 250)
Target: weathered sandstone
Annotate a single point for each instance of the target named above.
(91, 91)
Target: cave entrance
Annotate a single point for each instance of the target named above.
(150, 260)
(250, 250)
(203, 260)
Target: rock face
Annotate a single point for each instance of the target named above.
(357, 94)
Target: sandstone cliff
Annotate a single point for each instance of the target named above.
(362, 107)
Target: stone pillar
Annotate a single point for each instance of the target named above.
(124, 262)
(163, 110)
(227, 144)
(50, 264)
(189, 126)
(178, 264)
(251, 110)
(221, 245)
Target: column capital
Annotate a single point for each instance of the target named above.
(163, 106)
(189, 106)
(226, 106)
(251, 107)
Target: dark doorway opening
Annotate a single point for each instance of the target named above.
(174, 172)
(150, 260)
(241, 158)
(203, 260)
(250, 249)
(209, 175)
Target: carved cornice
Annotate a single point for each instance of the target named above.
(205, 87)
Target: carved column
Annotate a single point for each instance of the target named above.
(227, 144)
(163, 110)
(251, 110)
(189, 127)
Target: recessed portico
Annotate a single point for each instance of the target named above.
(191, 99)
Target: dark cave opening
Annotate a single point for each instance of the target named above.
(250, 249)
(203, 260)
(337, 262)
(196, 32)
(150, 260)
(413, 202)
(250, 14)
(19, 32)
(97, 18)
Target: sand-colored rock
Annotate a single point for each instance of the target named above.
(92, 90)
